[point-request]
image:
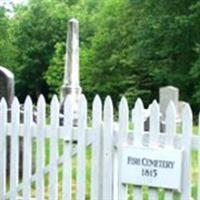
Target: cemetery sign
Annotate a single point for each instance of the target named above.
(153, 167)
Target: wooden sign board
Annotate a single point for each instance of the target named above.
(153, 167)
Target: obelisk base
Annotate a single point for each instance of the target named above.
(75, 93)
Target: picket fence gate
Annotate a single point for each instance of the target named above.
(103, 134)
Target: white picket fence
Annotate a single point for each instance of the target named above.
(105, 138)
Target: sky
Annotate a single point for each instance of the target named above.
(18, 1)
(8, 4)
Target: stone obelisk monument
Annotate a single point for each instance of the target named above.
(71, 84)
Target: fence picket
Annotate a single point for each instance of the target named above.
(82, 121)
(138, 121)
(187, 133)
(106, 138)
(54, 148)
(122, 137)
(198, 194)
(3, 130)
(108, 149)
(27, 151)
(14, 169)
(67, 152)
(40, 148)
(96, 168)
(154, 131)
(170, 132)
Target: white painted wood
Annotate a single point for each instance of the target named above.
(96, 168)
(138, 122)
(170, 124)
(3, 130)
(115, 171)
(122, 135)
(154, 124)
(46, 169)
(14, 170)
(61, 135)
(108, 149)
(40, 158)
(82, 122)
(153, 167)
(154, 131)
(170, 132)
(27, 149)
(198, 191)
(67, 154)
(85, 136)
(187, 133)
(53, 179)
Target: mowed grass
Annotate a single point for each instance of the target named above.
(60, 170)
(161, 193)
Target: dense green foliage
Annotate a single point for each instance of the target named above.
(127, 47)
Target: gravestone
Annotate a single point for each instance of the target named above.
(167, 94)
(7, 91)
(147, 120)
(71, 85)
(6, 85)
(181, 106)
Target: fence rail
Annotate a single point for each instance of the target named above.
(102, 135)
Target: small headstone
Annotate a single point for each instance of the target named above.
(181, 105)
(167, 94)
(147, 125)
(6, 85)
(147, 120)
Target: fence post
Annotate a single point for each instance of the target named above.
(67, 152)
(187, 134)
(82, 123)
(3, 130)
(138, 122)
(27, 151)
(108, 149)
(40, 152)
(53, 174)
(170, 133)
(198, 195)
(154, 131)
(96, 168)
(14, 167)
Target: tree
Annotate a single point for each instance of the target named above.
(55, 73)
(37, 27)
(142, 45)
(85, 12)
(127, 47)
(5, 45)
